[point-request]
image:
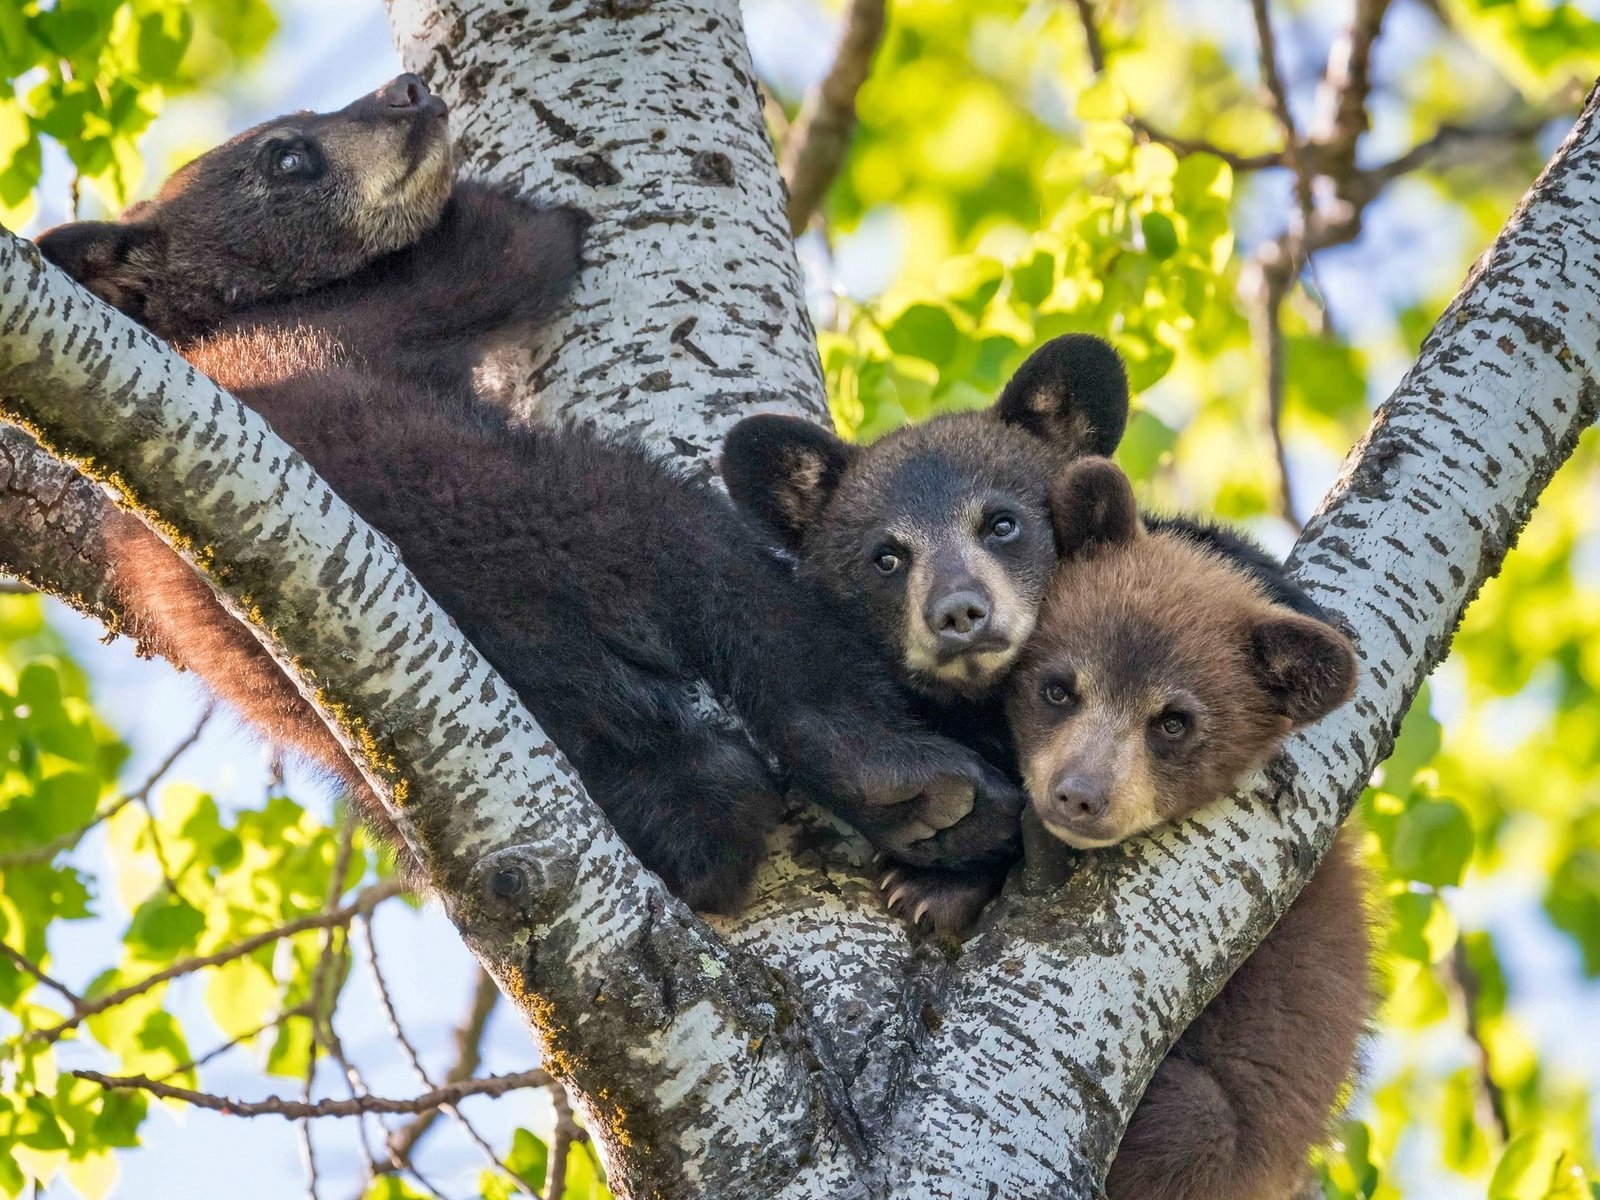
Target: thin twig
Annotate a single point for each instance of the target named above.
(1094, 47)
(1449, 137)
(568, 1133)
(400, 1155)
(469, 1053)
(194, 1064)
(820, 136)
(1345, 88)
(41, 854)
(1272, 79)
(1461, 978)
(38, 972)
(364, 902)
(323, 1033)
(277, 1106)
(1267, 318)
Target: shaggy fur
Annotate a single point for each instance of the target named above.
(325, 270)
(1160, 674)
(929, 495)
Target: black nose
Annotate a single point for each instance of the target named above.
(404, 93)
(1083, 795)
(960, 617)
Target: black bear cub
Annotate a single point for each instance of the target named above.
(1159, 674)
(937, 538)
(330, 272)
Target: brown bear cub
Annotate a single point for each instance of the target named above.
(1158, 675)
(330, 271)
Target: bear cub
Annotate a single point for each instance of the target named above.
(1159, 674)
(937, 539)
(330, 271)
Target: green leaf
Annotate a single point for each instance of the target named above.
(529, 1158)
(1535, 1166)
(1160, 237)
(1432, 843)
(1146, 445)
(121, 1114)
(165, 926)
(1034, 279)
(66, 30)
(1422, 928)
(924, 331)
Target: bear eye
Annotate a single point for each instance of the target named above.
(1174, 724)
(1057, 693)
(291, 158)
(887, 562)
(1003, 527)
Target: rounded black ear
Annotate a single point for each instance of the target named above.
(782, 470)
(1072, 392)
(1308, 667)
(103, 256)
(1091, 506)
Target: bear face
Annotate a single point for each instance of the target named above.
(1159, 672)
(281, 209)
(937, 538)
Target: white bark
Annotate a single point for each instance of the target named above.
(656, 1023)
(689, 313)
(826, 1055)
(1049, 1040)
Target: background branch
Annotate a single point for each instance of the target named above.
(819, 139)
(354, 1106)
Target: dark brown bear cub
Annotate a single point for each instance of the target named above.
(330, 272)
(1158, 675)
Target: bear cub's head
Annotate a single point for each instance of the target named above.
(937, 537)
(289, 206)
(1159, 673)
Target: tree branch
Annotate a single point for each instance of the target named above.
(1094, 46)
(819, 139)
(50, 529)
(1346, 86)
(355, 1106)
(27, 965)
(365, 902)
(487, 804)
(1426, 509)
(690, 310)
(1272, 80)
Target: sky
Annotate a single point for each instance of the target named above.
(325, 55)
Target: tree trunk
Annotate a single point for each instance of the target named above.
(807, 1048)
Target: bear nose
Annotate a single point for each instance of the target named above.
(960, 617)
(1082, 795)
(404, 93)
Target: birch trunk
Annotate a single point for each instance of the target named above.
(807, 1048)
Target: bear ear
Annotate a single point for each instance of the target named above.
(102, 256)
(782, 470)
(1308, 667)
(1092, 507)
(1072, 392)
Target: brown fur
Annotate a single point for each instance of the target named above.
(1158, 676)
(597, 581)
(1250, 1087)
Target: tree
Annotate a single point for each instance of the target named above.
(807, 1046)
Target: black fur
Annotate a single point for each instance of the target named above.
(831, 502)
(600, 584)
